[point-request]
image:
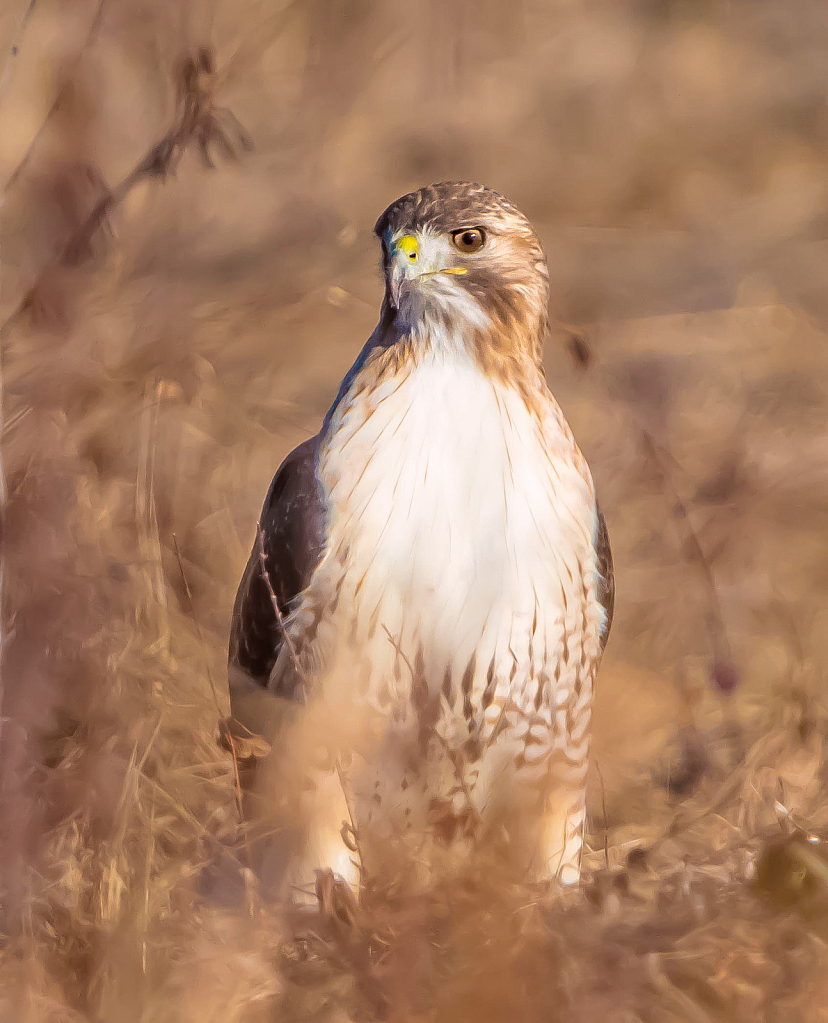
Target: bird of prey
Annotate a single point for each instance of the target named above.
(431, 587)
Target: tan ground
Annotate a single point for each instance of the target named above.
(674, 157)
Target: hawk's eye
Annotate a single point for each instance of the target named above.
(469, 239)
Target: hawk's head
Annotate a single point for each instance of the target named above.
(459, 258)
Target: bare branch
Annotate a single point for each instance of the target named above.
(198, 122)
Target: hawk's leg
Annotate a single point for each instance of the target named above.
(325, 813)
(295, 802)
(564, 815)
(562, 827)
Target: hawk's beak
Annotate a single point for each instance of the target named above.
(408, 264)
(405, 259)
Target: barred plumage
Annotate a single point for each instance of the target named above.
(444, 570)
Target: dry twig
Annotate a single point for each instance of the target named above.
(722, 671)
(199, 122)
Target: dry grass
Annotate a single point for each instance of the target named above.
(673, 157)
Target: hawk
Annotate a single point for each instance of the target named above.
(431, 588)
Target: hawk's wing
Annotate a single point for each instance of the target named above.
(292, 523)
(606, 585)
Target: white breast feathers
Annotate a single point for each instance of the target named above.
(460, 542)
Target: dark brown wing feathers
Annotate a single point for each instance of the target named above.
(606, 583)
(292, 522)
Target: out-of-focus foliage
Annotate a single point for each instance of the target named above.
(673, 157)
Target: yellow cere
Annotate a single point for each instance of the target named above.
(409, 245)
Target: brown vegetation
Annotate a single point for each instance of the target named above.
(168, 339)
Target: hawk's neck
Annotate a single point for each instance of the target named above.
(511, 356)
(460, 522)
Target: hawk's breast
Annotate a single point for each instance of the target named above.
(459, 563)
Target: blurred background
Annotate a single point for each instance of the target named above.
(171, 329)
